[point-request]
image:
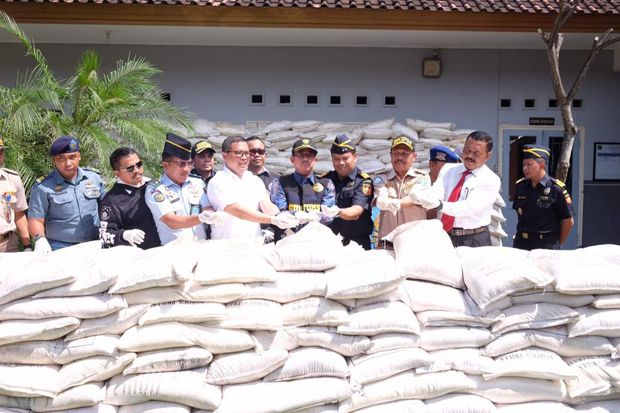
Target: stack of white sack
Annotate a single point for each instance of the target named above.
(308, 325)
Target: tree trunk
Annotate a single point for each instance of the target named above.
(570, 132)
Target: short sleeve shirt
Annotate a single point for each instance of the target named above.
(12, 199)
(165, 197)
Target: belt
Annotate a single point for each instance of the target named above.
(6, 235)
(386, 244)
(460, 232)
(537, 235)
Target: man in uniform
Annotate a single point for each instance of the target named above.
(258, 156)
(303, 193)
(178, 201)
(354, 193)
(124, 217)
(13, 208)
(64, 205)
(543, 205)
(203, 156)
(392, 189)
(440, 156)
(242, 196)
(465, 194)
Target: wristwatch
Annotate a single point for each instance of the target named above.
(37, 237)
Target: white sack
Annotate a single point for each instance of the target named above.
(15, 331)
(328, 338)
(596, 322)
(245, 367)
(518, 389)
(92, 369)
(459, 403)
(251, 314)
(33, 277)
(169, 360)
(536, 407)
(392, 341)
(387, 317)
(116, 323)
(80, 307)
(314, 311)
(533, 363)
(28, 381)
(307, 362)
(378, 366)
(83, 396)
(188, 312)
(283, 338)
(289, 287)
(218, 293)
(585, 275)
(467, 360)
(401, 406)
(155, 407)
(439, 338)
(528, 316)
(425, 296)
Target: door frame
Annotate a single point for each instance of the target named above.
(581, 135)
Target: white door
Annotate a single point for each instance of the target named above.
(513, 141)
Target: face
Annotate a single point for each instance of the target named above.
(257, 155)
(130, 170)
(238, 158)
(344, 163)
(304, 161)
(204, 162)
(435, 167)
(533, 168)
(475, 154)
(67, 164)
(402, 158)
(177, 169)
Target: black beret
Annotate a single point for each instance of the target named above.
(342, 144)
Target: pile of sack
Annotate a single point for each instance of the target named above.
(308, 325)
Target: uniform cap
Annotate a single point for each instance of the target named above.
(177, 146)
(201, 146)
(402, 140)
(444, 154)
(303, 144)
(342, 144)
(536, 152)
(64, 144)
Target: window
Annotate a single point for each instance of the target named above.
(389, 100)
(312, 100)
(285, 100)
(529, 104)
(257, 99)
(166, 96)
(505, 103)
(335, 100)
(577, 103)
(361, 100)
(552, 104)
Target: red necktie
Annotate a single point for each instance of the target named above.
(448, 220)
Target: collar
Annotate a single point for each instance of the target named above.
(144, 180)
(544, 181)
(165, 179)
(227, 171)
(59, 179)
(264, 172)
(302, 179)
(392, 174)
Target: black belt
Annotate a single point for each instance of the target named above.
(460, 232)
(6, 235)
(537, 235)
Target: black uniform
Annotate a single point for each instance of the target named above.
(355, 189)
(196, 174)
(540, 212)
(267, 178)
(124, 208)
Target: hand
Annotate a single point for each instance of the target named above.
(414, 195)
(428, 202)
(388, 204)
(211, 217)
(284, 220)
(331, 212)
(133, 236)
(304, 217)
(27, 249)
(42, 246)
(268, 236)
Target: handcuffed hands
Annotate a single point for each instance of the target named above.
(304, 217)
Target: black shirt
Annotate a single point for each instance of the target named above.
(267, 178)
(541, 209)
(123, 208)
(194, 172)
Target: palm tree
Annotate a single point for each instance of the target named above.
(104, 111)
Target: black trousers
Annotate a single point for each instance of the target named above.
(363, 241)
(482, 239)
(533, 243)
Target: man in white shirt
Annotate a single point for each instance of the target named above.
(243, 196)
(465, 194)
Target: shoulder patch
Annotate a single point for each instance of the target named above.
(364, 175)
(11, 171)
(41, 179)
(420, 172)
(520, 180)
(378, 180)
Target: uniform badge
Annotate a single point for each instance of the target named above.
(10, 197)
(546, 191)
(366, 188)
(158, 196)
(58, 188)
(520, 211)
(105, 213)
(318, 187)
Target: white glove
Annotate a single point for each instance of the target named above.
(414, 195)
(331, 212)
(284, 220)
(428, 202)
(268, 236)
(42, 246)
(211, 217)
(133, 236)
(388, 204)
(304, 217)
(27, 249)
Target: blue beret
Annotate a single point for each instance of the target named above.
(177, 146)
(444, 154)
(64, 144)
(536, 152)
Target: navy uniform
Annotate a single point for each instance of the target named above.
(540, 209)
(354, 189)
(165, 196)
(69, 207)
(295, 192)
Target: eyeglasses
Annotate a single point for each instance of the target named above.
(131, 168)
(183, 164)
(257, 151)
(240, 154)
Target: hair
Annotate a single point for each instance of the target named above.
(483, 137)
(118, 154)
(255, 138)
(228, 142)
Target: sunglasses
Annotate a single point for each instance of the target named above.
(240, 154)
(257, 151)
(132, 168)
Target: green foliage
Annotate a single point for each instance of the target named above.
(104, 111)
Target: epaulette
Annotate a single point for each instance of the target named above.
(520, 180)
(420, 172)
(10, 171)
(558, 182)
(92, 170)
(364, 175)
(41, 179)
(153, 183)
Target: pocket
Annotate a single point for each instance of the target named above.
(92, 193)
(61, 199)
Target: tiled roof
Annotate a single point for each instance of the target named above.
(489, 6)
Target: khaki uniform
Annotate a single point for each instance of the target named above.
(12, 199)
(389, 183)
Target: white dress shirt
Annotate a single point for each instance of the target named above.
(479, 192)
(227, 188)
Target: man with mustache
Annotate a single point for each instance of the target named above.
(203, 156)
(392, 190)
(465, 194)
(124, 217)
